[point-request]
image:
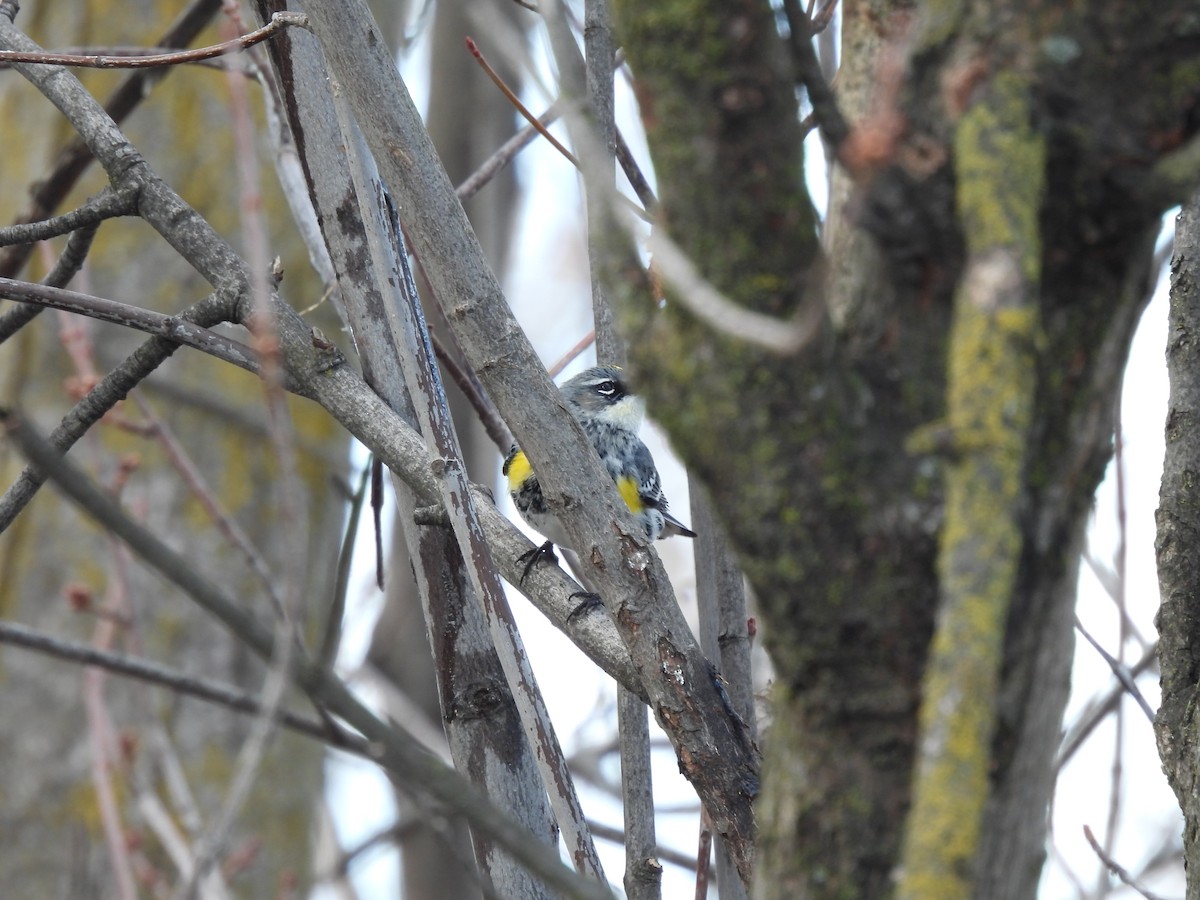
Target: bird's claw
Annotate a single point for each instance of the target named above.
(589, 602)
(532, 557)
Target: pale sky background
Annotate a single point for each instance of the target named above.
(550, 261)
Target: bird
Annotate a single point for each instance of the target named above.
(610, 414)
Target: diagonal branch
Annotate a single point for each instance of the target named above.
(180, 682)
(176, 329)
(107, 204)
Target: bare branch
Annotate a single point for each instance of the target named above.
(512, 98)
(1120, 670)
(1099, 708)
(801, 30)
(104, 396)
(506, 152)
(74, 159)
(179, 682)
(177, 329)
(643, 871)
(107, 204)
(278, 22)
(67, 267)
(700, 297)
(1116, 868)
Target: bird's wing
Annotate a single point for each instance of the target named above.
(651, 493)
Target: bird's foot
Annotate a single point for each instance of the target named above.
(589, 602)
(532, 557)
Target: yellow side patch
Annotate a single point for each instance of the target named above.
(517, 470)
(630, 493)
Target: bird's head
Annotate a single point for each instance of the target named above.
(602, 393)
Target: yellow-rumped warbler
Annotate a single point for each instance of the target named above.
(610, 415)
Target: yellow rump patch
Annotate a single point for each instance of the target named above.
(630, 493)
(517, 470)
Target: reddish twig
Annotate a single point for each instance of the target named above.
(584, 342)
(703, 855)
(278, 22)
(516, 102)
(229, 528)
(636, 179)
(105, 753)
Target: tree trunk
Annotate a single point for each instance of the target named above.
(1176, 547)
(829, 469)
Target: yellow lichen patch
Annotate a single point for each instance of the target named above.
(990, 396)
(999, 163)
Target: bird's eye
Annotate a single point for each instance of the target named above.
(606, 388)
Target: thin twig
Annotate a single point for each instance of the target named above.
(1096, 711)
(703, 855)
(108, 204)
(664, 854)
(505, 153)
(181, 683)
(637, 180)
(700, 297)
(1120, 559)
(1120, 670)
(396, 833)
(70, 261)
(226, 524)
(176, 329)
(541, 129)
(829, 117)
(1118, 870)
(565, 360)
(278, 22)
(517, 104)
(332, 637)
(105, 756)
